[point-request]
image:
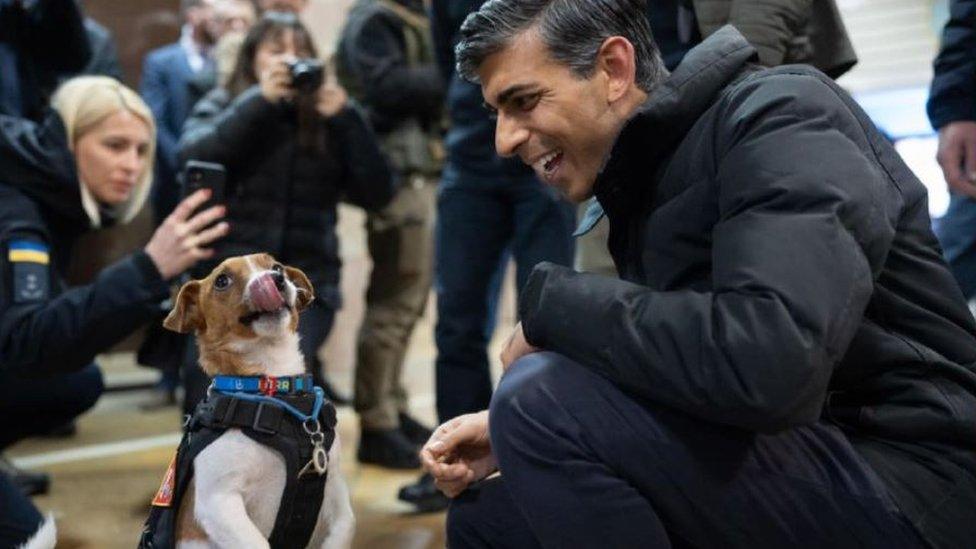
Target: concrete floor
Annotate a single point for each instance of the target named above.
(105, 476)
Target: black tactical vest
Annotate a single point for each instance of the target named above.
(270, 425)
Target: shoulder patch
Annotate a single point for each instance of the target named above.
(28, 251)
(29, 260)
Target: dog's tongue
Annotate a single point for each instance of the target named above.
(265, 295)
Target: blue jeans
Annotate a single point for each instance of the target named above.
(477, 219)
(584, 464)
(956, 231)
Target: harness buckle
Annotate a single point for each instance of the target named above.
(256, 424)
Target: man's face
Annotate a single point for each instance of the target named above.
(556, 122)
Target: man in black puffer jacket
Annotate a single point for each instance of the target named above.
(786, 362)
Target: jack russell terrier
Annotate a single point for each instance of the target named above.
(259, 463)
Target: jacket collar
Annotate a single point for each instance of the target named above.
(671, 109)
(35, 160)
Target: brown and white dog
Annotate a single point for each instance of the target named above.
(245, 317)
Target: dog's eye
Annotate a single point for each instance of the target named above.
(278, 268)
(222, 282)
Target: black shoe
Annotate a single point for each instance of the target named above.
(387, 448)
(414, 430)
(424, 495)
(29, 482)
(332, 395)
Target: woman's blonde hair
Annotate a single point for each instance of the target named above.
(84, 102)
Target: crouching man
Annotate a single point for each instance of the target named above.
(786, 360)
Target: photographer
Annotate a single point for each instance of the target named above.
(292, 148)
(86, 165)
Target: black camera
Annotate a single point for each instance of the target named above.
(306, 74)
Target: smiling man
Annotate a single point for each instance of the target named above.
(786, 360)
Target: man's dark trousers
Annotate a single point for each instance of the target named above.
(584, 464)
(477, 218)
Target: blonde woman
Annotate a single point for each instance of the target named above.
(86, 165)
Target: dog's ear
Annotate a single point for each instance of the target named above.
(305, 293)
(186, 316)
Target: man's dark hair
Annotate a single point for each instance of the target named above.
(572, 30)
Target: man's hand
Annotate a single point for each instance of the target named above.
(957, 156)
(459, 453)
(516, 347)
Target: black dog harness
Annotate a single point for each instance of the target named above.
(287, 414)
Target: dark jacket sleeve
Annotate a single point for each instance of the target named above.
(368, 179)
(953, 93)
(442, 32)
(391, 87)
(793, 257)
(222, 132)
(65, 333)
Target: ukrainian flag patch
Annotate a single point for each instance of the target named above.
(26, 251)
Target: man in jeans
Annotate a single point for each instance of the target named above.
(485, 204)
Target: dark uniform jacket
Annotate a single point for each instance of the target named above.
(953, 94)
(281, 199)
(374, 47)
(46, 327)
(470, 141)
(778, 269)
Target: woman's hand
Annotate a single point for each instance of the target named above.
(459, 453)
(330, 99)
(178, 243)
(275, 82)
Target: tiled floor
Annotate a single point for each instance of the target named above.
(104, 478)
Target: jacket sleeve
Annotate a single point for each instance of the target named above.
(153, 90)
(770, 26)
(368, 179)
(64, 333)
(793, 256)
(391, 86)
(953, 94)
(224, 133)
(442, 33)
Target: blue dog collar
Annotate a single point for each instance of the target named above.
(265, 385)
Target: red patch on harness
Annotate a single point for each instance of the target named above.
(164, 497)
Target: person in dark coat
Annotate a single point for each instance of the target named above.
(291, 156)
(41, 42)
(86, 165)
(952, 111)
(785, 360)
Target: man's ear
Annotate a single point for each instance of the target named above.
(305, 293)
(186, 316)
(618, 62)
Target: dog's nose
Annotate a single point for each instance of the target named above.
(279, 280)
